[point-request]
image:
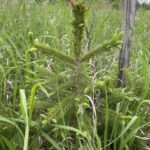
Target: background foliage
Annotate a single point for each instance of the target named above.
(39, 113)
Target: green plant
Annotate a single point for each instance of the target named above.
(80, 75)
(78, 62)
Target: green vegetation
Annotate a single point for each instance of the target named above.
(58, 68)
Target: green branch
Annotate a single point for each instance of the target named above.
(115, 42)
(49, 50)
(78, 24)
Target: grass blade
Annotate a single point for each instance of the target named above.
(53, 142)
(24, 109)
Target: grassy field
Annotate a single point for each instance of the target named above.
(40, 106)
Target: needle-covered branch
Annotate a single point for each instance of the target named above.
(115, 42)
(78, 24)
(52, 51)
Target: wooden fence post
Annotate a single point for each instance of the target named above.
(128, 24)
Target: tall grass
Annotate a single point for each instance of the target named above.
(122, 115)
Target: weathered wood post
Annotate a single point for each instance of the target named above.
(128, 24)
